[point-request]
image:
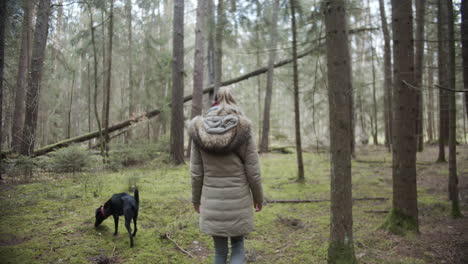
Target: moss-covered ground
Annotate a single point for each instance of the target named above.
(49, 218)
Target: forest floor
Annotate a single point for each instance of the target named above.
(49, 218)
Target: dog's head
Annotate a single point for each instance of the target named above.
(100, 215)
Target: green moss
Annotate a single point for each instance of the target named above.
(341, 253)
(398, 223)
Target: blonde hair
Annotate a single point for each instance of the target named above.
(225, 97)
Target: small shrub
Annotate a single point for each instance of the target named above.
(19, 166)
(71, 159)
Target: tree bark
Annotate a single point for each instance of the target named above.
(388, 116)
(269, 86)
(34, 82)
(419, 58)
(464, 42)
(297, 116)
(404, 214)
(23, 66)
(341, 247)
(177, 109)
(443, 54)
(70, 107)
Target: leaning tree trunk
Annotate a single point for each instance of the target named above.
(23, 65)
(418, 70)
(341, 247)
(387, 77)
(404, 214)
(442, 56)
(464, 42)
(34, 83)
(297, 117)
(269, 86)
(453, 178)
(177, 107)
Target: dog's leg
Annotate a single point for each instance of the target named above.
(135, 225)
(129, 229)
(116, 223)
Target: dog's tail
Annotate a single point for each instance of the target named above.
(137, 196)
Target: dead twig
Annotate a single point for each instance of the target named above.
(166, 235)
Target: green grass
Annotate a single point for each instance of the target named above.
(51, 219)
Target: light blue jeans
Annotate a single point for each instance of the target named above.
(222, 250)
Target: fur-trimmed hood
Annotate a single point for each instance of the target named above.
(223, 129)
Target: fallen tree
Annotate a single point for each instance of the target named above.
(156, 112)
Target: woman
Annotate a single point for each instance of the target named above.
(225, 174)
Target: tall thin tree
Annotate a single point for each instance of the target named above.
(269, 85)
(108, 87)
(297, 116)
(221, 23)
(3, 15)
(453, 178)
(23, 65)
(387, 77)
(404, 214)
(34, 82)
(464, 42)
(199, 61)
(341, 246)
(418, 70)
(131, 82)
(442, 57)
(177, 105)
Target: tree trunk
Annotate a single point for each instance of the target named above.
(418, 71)
(96, 113)
(34, 82)
(430, 103)
(177, 109)
(23, 66)
(218, 58)
(210, 55)
(374, 101)
(199, 63)
(341, 247)
(269, 86)
(3, 15)
(453, 178)
(388, 116)
(464, 42)
(443, 54)
(131, 82)
(297, 117)
(404, 214)
(108, 79)
(70, 106)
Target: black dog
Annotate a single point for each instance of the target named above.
(120, 204)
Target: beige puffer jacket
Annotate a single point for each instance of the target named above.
(225, 171)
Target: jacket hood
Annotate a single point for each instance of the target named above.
(223, 129)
